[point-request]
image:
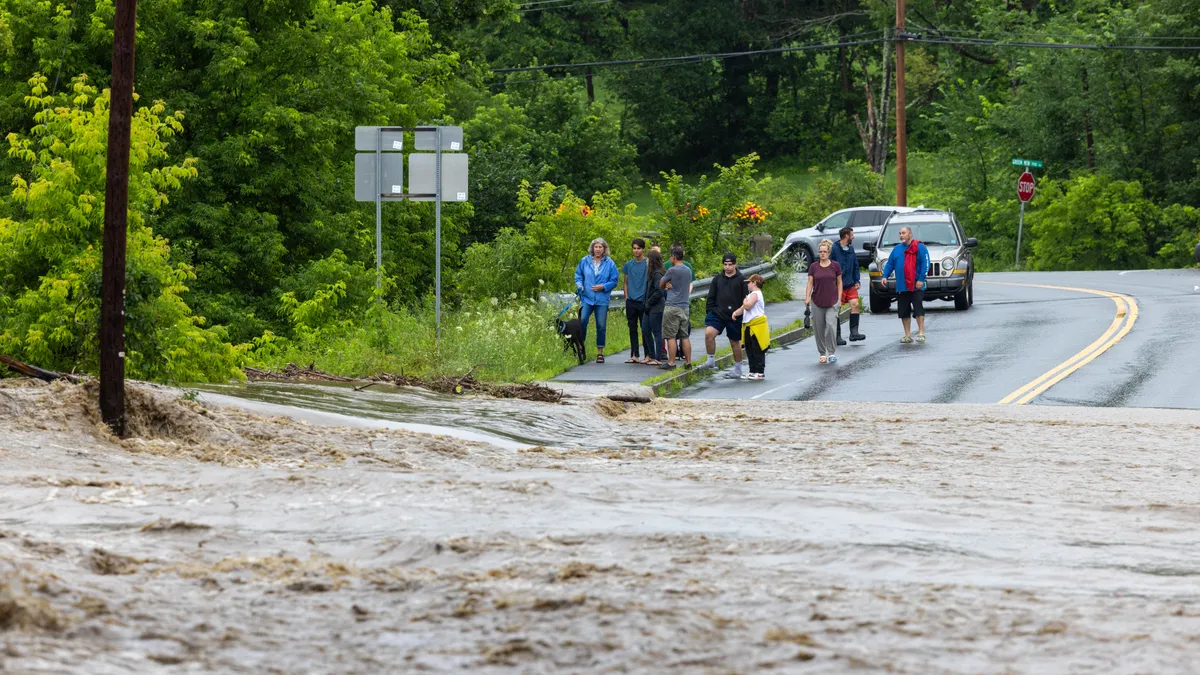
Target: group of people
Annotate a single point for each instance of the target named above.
(834, 281)
(658, 302)
(658, 306)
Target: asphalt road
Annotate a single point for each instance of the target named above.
(1020, 343)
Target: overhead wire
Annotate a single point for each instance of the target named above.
(576, 4)
(906, 37)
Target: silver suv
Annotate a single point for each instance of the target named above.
(951, 274)
(800, 247)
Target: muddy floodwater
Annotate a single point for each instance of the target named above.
(678, 536)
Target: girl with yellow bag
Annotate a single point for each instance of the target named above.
(756, 335)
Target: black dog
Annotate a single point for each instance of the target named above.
(572, 334)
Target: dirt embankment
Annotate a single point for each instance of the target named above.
(687, 537)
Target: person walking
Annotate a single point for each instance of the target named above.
(635, 275)
(595, 278)
(756, 335)
(844, 255)
(656, 301)
(824, 290)
(910, 261)
(725, 295)
(677, 282)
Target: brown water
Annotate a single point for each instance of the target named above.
(689, 537)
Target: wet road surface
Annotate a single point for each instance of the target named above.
(1011, 336)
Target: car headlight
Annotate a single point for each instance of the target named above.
(947, 266)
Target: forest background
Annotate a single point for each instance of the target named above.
(246, 247)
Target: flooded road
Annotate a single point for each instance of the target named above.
(413, 409)
(678, 536)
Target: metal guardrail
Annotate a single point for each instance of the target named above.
(699, 286)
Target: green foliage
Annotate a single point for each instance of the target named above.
(701, 217)
(510, 342)
(560, 229)
(50, 245)
(1095, 222)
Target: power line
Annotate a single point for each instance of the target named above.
(907, 37)
(983, 42)
(691, 57)
(577, 4)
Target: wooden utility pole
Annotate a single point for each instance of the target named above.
(116, 203)
(901, 119)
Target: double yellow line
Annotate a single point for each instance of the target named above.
(1122, 323)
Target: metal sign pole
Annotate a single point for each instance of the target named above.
(1020, 227)
(379, 218)
(437, 233)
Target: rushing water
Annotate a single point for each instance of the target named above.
(473, 418)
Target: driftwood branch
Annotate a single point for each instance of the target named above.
(33, 371)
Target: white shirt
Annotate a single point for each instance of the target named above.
(759, 309)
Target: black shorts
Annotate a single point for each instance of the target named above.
(732, 328)
(910, 304)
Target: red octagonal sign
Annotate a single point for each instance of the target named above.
(1025, 186)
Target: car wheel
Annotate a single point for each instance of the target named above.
(962, 299)
(971, 292)
(880, 304)
(799, 258)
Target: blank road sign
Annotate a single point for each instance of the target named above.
(366, 139)
(422, 176)
(452, 140)
(365, 188)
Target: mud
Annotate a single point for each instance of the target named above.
(671, 537)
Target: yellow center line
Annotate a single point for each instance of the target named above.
(1122, 323)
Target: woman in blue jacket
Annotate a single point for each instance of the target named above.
(595, 278)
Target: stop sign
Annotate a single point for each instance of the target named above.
(1025, 186)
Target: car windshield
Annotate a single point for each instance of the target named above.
(931, 234)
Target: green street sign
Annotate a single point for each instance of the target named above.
(1032, 163)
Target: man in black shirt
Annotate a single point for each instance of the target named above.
(725, 294)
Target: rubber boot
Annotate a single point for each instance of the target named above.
(855, 336)
(840, 341)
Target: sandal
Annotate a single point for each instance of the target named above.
(599, 358)
(652, 362)
(906, 340)
(921, 338)
(822, 359)
(632, 361)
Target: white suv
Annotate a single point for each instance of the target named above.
(800, 247)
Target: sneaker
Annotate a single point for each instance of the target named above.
(732, 375)
(707, 365)
(748, 376)
(832, 358)
(921, 338)
(906, 340)
(759, 376)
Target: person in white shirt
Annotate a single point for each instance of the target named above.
(756, 335)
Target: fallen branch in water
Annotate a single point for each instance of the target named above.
(442, 385)
(33, 371)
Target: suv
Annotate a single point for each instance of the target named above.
(951, 273)
(800, 247)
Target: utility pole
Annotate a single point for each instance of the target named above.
(116, 203)
(901, 119)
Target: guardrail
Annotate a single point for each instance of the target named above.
(699, 286)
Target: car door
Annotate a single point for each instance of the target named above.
(866, 224)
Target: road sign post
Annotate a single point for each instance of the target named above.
(1026, 186)
(379, 177)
